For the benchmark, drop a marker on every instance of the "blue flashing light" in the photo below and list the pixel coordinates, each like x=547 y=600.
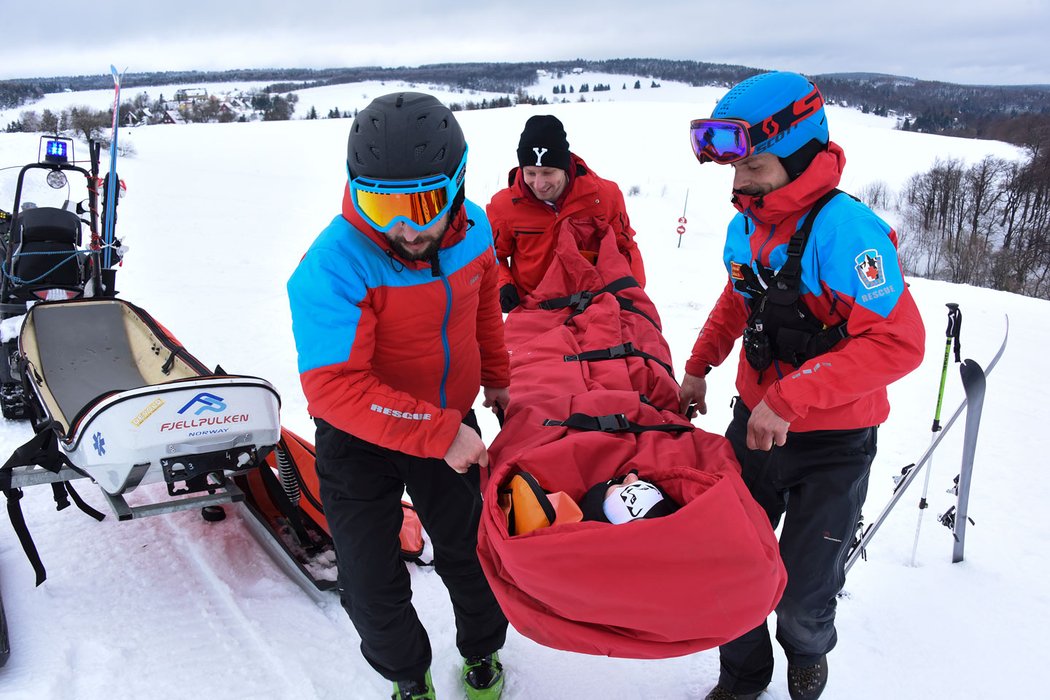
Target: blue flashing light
x=57 y=152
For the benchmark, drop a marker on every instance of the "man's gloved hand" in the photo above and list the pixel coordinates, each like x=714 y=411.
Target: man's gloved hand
x=508 y=297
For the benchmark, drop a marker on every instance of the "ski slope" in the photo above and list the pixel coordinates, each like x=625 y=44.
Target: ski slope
x=216 y=218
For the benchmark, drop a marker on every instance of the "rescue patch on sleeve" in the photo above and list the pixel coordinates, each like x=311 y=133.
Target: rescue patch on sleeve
x=869 y=269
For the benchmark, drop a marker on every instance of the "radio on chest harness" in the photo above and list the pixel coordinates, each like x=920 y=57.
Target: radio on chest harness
x=780 y=327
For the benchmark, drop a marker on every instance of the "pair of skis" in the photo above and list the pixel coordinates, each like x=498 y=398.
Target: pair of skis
x=113 y=188
x=974 y=383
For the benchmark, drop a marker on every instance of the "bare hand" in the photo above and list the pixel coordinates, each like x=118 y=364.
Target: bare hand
x=496 y=399
x=694 y=393
x=765 y=429
x=466 y=449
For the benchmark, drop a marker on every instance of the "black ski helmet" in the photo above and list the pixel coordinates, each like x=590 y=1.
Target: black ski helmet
x=404 y=136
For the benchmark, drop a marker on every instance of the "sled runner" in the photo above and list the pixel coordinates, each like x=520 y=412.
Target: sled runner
x=118 y=400
x=594 y=397
x=287 y=518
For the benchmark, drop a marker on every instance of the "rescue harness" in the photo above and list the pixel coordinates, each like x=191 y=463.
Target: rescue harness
x=780 y=326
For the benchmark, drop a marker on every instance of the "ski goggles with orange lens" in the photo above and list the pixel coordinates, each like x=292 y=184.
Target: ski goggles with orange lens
x=726 y=141
x=418 y=203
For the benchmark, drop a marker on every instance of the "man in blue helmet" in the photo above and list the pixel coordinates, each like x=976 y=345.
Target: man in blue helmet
x=817 y=293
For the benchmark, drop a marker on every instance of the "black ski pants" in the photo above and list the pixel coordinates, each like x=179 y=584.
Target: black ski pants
x=817 y=483
x=361 y=489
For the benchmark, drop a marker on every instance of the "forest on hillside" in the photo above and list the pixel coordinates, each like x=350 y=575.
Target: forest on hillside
x=987 y=224
x=1017 y=114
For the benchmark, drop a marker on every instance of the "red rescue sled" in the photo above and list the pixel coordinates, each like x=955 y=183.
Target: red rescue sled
x=594 y=396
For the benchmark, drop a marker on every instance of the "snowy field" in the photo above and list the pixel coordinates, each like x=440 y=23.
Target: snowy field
x=216 y=218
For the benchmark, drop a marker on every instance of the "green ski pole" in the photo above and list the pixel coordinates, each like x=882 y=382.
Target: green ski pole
x=951 y=339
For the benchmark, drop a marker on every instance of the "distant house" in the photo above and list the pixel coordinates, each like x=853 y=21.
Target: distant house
x=171 y=116
x=190 y=95
x=139 y=117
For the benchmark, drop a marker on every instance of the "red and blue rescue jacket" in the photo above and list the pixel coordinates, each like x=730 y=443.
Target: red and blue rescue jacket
x=392 y=351
x=851 y=273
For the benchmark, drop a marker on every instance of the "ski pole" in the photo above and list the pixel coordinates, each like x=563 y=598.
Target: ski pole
x=682 y=219
x=951 y=338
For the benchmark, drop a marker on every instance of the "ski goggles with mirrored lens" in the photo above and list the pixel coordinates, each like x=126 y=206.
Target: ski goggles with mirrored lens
x=726 y=141
x=720 y=140
x=418 y=203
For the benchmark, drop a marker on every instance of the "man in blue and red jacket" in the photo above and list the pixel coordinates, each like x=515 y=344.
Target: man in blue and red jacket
x=827 y=323
x=396 y=318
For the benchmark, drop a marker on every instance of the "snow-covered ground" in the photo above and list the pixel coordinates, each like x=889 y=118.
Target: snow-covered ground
x=216 y=218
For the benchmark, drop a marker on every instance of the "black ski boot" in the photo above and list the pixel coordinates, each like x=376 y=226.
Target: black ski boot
x=807 y=682
x=414 y=690
x=720 y=693
x=483 y=677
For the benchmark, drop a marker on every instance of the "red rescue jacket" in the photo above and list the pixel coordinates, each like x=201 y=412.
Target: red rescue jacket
x=845 y=387
x=392 y=351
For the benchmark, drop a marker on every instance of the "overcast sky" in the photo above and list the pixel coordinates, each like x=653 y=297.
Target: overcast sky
x=965 y=41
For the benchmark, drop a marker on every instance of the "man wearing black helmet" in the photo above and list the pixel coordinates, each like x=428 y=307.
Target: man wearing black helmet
x=397 y=325
x=817 y=293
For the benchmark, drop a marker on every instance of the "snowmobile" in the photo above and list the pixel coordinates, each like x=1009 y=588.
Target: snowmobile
x=112 y=396
x=49 y=251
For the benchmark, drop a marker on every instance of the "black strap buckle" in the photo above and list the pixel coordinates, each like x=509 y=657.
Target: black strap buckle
x=613 y=423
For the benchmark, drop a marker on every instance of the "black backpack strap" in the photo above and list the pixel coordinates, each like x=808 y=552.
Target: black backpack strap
x=785 y=289
x=613 y=423
x=617 y=352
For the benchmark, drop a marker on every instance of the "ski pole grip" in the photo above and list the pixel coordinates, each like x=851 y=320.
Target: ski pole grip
x=954 y=328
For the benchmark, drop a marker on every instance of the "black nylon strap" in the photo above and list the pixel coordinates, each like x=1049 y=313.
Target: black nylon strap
x=81 y=503
x=18 y=523
x=42 y=450
x=788 y=280
x=617 y=352
x=581 y=300
x=613 y=423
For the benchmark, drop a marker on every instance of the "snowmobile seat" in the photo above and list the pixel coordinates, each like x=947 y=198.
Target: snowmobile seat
x=45 y=252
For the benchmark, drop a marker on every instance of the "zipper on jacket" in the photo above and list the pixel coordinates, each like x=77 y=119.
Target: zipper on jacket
x=444 y=341
x=761 y=248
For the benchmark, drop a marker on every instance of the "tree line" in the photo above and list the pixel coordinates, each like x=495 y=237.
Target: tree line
x=981 y=111
x=986 y=224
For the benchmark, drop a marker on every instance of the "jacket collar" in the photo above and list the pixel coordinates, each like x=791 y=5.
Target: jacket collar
x=522 y=191
x=800 y=194
x=456 y=232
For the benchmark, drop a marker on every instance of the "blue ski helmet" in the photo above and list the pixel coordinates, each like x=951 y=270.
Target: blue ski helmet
x=762 y=97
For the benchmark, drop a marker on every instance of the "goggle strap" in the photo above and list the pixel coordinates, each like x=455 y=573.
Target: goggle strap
x=786 y=118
